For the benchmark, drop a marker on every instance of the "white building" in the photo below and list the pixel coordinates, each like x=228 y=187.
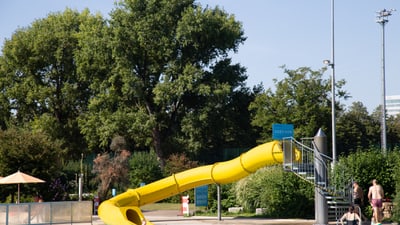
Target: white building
x=392 y=105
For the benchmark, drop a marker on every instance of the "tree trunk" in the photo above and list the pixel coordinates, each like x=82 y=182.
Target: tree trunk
x=157 y=147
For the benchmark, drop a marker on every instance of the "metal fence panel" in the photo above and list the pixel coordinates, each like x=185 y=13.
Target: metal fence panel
x=46 y=213
x=3 y=214
x=82 y=211
x=18 y=214
x=40 y=213
x=61 y=212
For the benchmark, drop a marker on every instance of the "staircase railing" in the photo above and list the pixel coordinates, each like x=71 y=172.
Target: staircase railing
x=299 y=159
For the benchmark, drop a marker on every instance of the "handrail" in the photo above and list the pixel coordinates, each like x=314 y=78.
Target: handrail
x=337 y=197
x=306 y=164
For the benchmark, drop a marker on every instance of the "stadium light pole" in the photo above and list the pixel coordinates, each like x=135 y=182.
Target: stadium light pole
x=331 y=64
x=382 y=18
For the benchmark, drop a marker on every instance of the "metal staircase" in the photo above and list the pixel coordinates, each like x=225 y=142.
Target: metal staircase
x=301 y=159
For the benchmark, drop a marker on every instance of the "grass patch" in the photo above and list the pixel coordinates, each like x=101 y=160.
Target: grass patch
x=164 y=206
x=227 y=214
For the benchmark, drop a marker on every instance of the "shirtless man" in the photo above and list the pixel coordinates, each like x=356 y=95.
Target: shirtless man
x=375 y=196
x=358 y=194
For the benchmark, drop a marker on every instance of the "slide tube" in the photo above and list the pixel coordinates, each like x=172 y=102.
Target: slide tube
x=124 y=209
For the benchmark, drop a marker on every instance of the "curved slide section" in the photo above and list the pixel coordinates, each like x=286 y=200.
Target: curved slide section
x=124 y=209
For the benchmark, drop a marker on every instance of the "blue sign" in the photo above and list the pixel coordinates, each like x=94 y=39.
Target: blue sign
x=201 y=196
x=280 y=131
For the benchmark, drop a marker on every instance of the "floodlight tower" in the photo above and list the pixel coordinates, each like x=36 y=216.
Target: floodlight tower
x=382 y=18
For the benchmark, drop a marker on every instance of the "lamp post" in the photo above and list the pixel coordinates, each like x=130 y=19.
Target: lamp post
x=331 y=64
x=382 y=19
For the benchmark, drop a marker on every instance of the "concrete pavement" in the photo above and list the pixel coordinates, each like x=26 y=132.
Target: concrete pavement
x=199 y=220
x=171 y=217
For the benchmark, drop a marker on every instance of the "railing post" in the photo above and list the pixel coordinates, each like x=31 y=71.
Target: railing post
x=7 y=213
x=321 y=206
x=287 y=154
x=29 y=213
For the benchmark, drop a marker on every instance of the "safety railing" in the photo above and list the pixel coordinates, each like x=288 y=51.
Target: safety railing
x=301 y=159
x=46 y=213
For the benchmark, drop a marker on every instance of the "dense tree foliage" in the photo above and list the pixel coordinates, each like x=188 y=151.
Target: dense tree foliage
x=170 y=79
x=177 y=163
x=227 y=195
x=156 y=78
x=33 y=153
x=396 y=179
x=302 y=99
x=393 y=132
x=40 y=81
x=145 y=168
x=357 y=129
x=363 y=167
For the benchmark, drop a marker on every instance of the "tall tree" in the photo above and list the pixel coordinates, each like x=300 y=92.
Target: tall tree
x=392 y=129
x=169 y=59
x=393 y=133
x=39 y=77
x=302 y=98
x=356 y=129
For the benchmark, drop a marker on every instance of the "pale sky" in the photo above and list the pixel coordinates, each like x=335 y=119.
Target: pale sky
x=294 y=33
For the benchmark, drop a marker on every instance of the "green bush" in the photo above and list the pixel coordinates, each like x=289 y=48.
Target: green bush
x=145 y=168
x=228 y=198
x=363 y=167
x=282 y=194
x=396 y=171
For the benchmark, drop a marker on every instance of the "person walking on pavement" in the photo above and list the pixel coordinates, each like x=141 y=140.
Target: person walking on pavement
x=375 y=196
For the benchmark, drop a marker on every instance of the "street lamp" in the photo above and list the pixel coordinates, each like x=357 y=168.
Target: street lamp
x=382 y=18
x=331 y=64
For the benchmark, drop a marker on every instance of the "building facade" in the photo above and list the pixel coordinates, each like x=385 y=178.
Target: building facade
x=393 y=105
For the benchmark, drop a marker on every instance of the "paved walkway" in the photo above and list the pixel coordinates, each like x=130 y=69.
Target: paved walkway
x=171 y=217
x=202 y=220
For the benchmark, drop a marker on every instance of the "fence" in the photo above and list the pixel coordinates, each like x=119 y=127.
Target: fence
x=46 y=213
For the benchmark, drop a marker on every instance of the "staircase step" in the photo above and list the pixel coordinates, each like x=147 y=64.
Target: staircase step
x=327 y=195
x=337 y=199
x=338 y=205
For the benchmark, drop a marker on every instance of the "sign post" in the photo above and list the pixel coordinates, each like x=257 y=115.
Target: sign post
x=201 y=196
x=280 y=131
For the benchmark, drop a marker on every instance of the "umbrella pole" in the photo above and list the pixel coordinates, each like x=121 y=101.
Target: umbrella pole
x=18 y=195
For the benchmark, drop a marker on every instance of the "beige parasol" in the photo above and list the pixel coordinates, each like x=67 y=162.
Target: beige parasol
x=19 y=178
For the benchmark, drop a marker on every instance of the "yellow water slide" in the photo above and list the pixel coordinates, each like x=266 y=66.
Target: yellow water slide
x=124 y=209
